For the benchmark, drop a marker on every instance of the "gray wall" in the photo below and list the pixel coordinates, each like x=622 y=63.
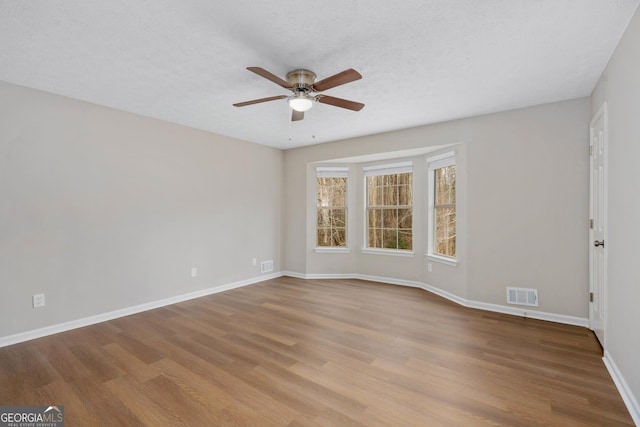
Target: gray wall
x=523 y=200
x=619 y=86
x=103 y=210
x=528 y=205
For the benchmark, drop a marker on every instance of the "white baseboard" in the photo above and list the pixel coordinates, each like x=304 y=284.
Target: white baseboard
x=317 y=276
x=515 y=311
x=103 y=317
x=533 y=314
x=627 y=395
x=445 y=294
x=389 y=280
x=294 y=274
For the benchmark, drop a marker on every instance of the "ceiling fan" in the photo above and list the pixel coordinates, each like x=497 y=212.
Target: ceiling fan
x=302 y=83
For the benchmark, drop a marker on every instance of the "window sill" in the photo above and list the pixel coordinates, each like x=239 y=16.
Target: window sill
x=442 y=259
x=392 y=252
x=331 y=250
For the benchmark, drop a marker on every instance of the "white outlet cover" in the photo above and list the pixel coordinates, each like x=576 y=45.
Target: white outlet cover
x=194 y=271
x=38 y=300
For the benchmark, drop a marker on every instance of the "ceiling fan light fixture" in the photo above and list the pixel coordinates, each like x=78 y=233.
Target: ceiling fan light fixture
x=300 y=103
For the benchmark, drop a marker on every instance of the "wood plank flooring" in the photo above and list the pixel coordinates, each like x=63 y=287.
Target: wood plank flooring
x=290 y=352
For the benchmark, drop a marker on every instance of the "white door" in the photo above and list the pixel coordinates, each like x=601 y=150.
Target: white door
x=597 y=229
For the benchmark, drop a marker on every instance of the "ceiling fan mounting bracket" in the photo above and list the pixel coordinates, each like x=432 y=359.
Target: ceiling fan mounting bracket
x=301 y=79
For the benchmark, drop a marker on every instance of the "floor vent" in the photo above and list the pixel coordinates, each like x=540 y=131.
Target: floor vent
x=522 y=296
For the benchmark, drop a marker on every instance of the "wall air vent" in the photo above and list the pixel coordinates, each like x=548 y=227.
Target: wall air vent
x=266 y=266
x=522 y=296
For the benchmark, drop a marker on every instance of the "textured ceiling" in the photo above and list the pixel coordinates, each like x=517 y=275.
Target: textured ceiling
x=422 y=61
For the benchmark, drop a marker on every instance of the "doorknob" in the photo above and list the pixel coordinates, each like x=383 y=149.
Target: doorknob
x=597 y=243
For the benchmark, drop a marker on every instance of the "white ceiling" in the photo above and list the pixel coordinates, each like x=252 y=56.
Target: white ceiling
x=422 y=61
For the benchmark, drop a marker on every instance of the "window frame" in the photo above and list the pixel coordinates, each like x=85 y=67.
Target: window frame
x=332 y=172
x=381 y=170
x=434 y=163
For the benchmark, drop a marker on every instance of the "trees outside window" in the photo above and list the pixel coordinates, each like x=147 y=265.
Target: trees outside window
x=331 y=207
x=442 y=204
x=390 y=207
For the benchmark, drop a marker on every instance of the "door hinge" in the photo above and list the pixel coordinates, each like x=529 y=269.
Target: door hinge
x=590 y=296
x=591 y=150
x=591 y=224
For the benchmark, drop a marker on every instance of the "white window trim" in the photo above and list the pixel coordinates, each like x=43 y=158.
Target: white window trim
x=377 y=170
x=441 y=160
x=331 y=249
x=433 y=163
x=388 y=169
x=442 y=259
x=333 y=172
x=392 y=252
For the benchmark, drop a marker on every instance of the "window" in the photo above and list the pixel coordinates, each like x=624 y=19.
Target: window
x=389 y=192
x=442 y=205
x=331 y=207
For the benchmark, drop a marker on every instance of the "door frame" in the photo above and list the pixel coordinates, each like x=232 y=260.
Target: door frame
x=602 y=112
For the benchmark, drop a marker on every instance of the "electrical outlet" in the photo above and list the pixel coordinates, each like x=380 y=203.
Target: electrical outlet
x=254 y=261
x=429 y=267
x=38 y=300
x=194 y=271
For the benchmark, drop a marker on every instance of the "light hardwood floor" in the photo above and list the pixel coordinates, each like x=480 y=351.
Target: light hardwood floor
x=290 y=352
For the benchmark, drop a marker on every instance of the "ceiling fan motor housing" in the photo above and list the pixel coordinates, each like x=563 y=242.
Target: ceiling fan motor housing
x=302 y=80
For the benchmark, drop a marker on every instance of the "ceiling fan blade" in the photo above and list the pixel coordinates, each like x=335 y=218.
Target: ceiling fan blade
x=339 y=102
x=270 y=76
x=346 y=76
x=297 y=115
x=257 y=101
